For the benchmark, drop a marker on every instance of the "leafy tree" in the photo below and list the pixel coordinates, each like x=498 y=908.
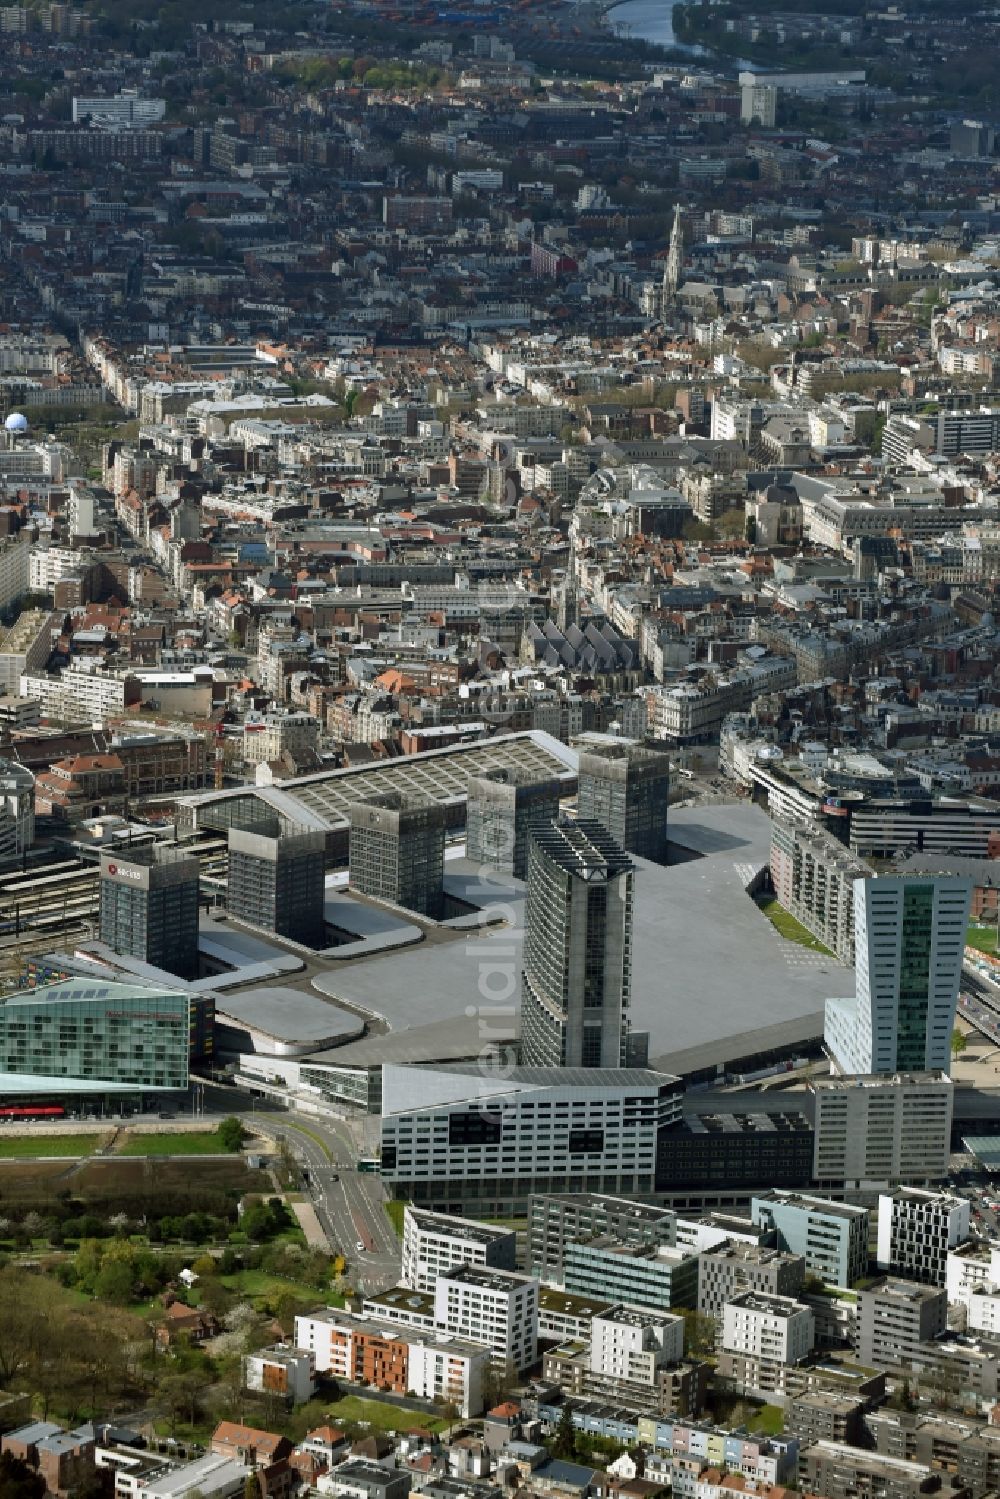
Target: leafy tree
x=251 y=1487
x=232 y=1134
x=699 y=1333
x=26 y=1305
x=114 y=1282
x=959 y=1041
x=564 y=1441
x=18 y=1481
x=182 y=1394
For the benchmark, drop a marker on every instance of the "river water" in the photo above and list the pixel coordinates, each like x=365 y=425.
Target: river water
x=653 y=21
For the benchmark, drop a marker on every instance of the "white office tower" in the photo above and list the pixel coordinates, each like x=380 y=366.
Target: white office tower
x=909 y=941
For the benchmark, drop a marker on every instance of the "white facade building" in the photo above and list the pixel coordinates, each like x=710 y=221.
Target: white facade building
x=467 y=1134
x=434 y=1243
x=909 y=942
x=773 y=1329
x=287 y=1372
x=874 y=1130
x=448 y=1369
x=626 y=1343
x=916 y=1230
x=492 y=1307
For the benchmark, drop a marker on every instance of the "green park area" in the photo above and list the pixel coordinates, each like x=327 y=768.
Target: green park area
x=182 y=1142
x=380 y=1416
x=35 y=1146
x=787 y=926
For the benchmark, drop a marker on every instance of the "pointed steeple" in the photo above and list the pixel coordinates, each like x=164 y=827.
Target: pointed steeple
x=675 y=258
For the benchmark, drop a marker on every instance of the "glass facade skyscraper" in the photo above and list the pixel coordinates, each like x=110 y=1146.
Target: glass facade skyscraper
x=577 y=949
x=909 y=942
x=276 y=882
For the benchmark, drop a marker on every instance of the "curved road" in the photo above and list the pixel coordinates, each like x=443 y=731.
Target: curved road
x=349 y=1205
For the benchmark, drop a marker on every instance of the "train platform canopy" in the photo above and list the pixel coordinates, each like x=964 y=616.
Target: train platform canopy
x=985 y=1148
x=323 y=800
x=36 y=1085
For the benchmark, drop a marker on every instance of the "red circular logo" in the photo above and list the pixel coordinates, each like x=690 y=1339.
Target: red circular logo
x=112 y=869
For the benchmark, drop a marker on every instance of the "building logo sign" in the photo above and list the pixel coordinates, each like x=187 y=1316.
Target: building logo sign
x=125 y=872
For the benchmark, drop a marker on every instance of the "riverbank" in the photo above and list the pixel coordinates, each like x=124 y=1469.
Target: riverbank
x=652 y=21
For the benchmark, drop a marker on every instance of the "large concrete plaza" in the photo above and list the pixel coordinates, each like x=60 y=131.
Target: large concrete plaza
x=711 y=976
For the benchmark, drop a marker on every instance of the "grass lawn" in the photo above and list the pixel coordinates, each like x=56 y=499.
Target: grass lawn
x=262 y=1284
x=192 y=1142
x=31 y=1147
x=787 y=926
x=383 y=1417
x=769 y=1419
x=983 y=938
x=395 y=1211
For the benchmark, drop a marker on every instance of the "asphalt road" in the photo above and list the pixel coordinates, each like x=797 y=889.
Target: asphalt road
x=350 y=1205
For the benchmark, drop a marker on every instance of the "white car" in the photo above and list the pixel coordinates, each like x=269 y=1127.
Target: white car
x=359 y=1247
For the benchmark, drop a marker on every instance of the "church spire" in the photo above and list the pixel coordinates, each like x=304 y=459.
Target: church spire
x=675 y=257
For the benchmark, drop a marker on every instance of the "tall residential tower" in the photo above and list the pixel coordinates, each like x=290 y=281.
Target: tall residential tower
x=577 y=949
x=909 y=938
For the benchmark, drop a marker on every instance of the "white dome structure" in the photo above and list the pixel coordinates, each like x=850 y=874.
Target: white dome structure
x=16 y=423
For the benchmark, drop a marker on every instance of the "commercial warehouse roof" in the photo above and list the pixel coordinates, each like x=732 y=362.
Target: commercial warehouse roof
x=325 y=799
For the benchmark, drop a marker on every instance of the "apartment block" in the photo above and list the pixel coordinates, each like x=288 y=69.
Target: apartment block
x=493 y=1307
x=831 y=1237
x=833 y=1468
x=289 y=1373
x=916 y=1230
x=761 y=1339
x=813 y=876
x=894 y=1318
x=641 y=1274
x=434 y=1243
x=734 y=1270
x=558 y=1219
x=630 y=1344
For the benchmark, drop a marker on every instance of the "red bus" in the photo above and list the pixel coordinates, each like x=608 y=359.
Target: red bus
x=32 y=1111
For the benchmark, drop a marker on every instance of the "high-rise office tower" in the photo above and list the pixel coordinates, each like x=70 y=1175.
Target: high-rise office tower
x=577 y=949
x=276 y=881
x=626 y=788
x=397 y=851
x=149 y=907
x=909 y=937
x=502 y=807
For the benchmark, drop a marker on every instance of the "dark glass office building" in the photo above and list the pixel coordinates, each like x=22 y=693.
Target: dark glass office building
x=502 y=806
x=397 y=852
x=626 y=788
x=149 y=907
x=276 y=882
